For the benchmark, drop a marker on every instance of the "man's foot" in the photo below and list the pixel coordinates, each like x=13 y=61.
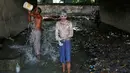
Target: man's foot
x=38 y=56
x=63 y=68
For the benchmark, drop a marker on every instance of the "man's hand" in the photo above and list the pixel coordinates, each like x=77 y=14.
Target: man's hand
x=31 y=13
x=59 y=39
x=61 y=44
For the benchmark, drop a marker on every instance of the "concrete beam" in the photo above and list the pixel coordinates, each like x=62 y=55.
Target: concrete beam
x=55 y=9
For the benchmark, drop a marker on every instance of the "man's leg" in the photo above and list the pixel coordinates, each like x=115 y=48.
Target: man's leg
x=68 y=67
x=63 y=67
x=62 y=57
x=68 y=55
x=37 y=44
x=31 y=38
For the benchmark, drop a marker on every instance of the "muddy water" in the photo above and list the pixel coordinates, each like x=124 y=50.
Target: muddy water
x=94 y=49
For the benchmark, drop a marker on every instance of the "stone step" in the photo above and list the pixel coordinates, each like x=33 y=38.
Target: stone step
x=8 y=62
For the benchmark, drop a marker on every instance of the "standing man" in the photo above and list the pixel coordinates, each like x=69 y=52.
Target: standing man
x=64 y=32
x=36 y=19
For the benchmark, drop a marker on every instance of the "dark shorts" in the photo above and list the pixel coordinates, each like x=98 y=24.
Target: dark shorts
x=65 y=51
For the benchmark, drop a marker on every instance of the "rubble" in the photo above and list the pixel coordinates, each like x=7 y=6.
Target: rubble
x=108 y=52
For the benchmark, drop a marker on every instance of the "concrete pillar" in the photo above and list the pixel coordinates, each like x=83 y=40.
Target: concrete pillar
x=13 y=17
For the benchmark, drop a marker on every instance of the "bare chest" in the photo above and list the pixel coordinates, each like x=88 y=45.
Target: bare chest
x=37 y=22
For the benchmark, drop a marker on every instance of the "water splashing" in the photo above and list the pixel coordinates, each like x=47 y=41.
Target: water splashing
x=48 y=46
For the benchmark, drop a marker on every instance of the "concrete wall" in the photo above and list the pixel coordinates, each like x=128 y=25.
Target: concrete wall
x=116 y=13
x=13 y=18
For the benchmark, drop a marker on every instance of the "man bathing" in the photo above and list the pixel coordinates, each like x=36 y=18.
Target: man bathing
x=36 y=19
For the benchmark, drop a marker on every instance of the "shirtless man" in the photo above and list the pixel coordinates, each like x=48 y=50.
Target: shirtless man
x=36 y=19
x=64 y=32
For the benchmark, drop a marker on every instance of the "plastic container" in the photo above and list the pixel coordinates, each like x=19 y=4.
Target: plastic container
x=17 y=68
x=28 y=6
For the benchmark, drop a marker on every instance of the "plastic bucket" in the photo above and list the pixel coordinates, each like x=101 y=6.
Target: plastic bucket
x=28 y=6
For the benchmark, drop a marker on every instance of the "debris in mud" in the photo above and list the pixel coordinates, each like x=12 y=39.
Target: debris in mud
x=109 y=51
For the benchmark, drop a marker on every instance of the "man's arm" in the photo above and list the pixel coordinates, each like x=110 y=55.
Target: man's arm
x=70 y=30
x=32 y=14
x=29 y=17
x=57 y=33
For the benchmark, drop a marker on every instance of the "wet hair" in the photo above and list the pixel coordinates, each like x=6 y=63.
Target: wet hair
x=39 y=9
x=63 y=12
